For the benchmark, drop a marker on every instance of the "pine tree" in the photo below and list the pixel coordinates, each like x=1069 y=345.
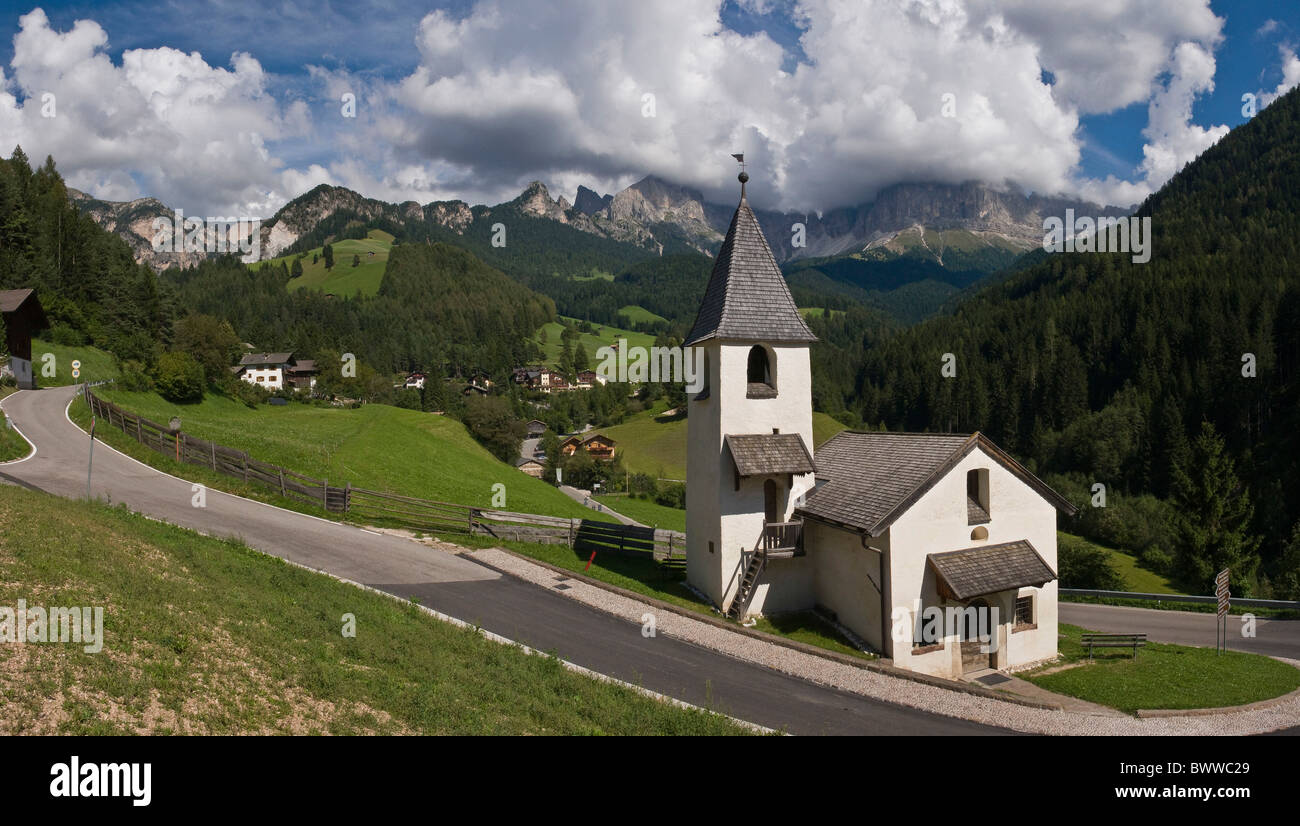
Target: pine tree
x=1213 y=517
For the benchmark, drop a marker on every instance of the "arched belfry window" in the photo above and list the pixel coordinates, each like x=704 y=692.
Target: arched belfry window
x=760 y=374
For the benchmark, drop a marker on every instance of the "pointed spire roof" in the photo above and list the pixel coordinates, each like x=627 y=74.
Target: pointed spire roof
x=747 y=297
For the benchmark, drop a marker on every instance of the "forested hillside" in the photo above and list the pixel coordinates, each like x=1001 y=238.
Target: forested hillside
x=1093 y=365
x=438 y=307
x=86 y=277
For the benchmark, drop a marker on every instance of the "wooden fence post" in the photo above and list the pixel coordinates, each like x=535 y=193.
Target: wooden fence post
x=570 y=533
x=281 y=470
x=325 y=496
x=347 y=496
x=213 y=445
x=244 y=459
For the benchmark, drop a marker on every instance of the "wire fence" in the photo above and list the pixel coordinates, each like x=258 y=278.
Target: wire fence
x=390 y=509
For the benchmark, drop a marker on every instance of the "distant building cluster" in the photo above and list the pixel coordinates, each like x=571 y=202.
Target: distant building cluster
x=545 y=380
x=277 y=371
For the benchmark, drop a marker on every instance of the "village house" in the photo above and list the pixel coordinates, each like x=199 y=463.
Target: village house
x=276 y=371
x=536 y=427
x=415 y=381
x=590 y=378
x=23 y=315
x=530 y=466
x=936 y=549
x=597 y=446
x=541 y=379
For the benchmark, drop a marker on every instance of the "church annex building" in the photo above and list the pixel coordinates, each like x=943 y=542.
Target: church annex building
x=937 y=549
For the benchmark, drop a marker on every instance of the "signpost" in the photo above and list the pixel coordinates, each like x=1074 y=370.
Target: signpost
x=76 y=368
x=1221 y=621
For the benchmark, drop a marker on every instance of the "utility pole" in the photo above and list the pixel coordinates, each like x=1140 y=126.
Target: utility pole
x=90 y=459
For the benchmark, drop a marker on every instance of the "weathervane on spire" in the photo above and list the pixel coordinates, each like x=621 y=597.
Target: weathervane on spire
x=743 y=176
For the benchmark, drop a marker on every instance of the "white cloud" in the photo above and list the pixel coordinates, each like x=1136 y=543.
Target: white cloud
x=1290 y=77
x=562 y=94
x=191 y=134
x=503 y=94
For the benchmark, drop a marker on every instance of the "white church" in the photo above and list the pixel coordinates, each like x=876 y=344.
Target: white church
x=938 y=550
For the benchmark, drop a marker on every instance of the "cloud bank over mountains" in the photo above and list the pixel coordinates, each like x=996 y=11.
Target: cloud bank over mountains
x=588 y=92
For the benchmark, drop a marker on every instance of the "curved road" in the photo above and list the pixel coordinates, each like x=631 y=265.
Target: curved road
x=456 y=586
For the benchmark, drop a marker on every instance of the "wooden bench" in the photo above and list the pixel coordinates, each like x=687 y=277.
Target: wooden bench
x=1133 y=641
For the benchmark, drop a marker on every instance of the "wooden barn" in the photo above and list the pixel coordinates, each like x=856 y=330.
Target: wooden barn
x=23 y=316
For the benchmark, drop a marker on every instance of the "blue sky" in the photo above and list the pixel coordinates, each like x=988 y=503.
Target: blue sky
x=430 y=126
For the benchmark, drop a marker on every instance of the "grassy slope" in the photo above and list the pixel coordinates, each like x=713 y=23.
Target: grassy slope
x=658 y=446
x=344 y=279
x=818 y=312
x=204 y=636
x=95 y=364
x=1167 y=676
x=376 y=447
x=604 y=336
x=636 y=313
x=1136 y=578
x=647 y=512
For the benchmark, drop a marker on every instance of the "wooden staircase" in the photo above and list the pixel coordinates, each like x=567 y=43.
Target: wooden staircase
x=779 y=540
x=757 y=562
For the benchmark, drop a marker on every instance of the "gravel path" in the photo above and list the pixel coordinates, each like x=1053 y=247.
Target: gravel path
x=892 y=689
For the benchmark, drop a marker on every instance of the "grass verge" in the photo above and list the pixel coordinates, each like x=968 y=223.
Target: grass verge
x=1165 y=676
x=203 y=636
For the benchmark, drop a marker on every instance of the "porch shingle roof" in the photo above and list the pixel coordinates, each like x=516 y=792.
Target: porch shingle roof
x=975 y=572
x=760 y=454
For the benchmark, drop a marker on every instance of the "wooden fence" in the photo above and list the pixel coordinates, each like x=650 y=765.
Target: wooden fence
x=375 y=507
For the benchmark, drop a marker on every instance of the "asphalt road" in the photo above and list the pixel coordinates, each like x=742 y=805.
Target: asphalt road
x=456 y=586
x=1275 y=638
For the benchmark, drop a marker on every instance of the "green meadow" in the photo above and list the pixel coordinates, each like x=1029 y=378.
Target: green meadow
x=343 y=279
x=375 y=446
x=603 y=336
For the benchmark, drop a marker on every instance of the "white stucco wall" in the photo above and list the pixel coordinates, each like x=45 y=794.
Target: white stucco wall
x=843 y=573
x=716 y=511
x=937 y=522
x=22 y=372
x=272 y=378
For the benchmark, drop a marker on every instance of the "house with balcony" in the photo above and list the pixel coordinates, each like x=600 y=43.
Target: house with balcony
x=596 y=445
x=277 y=371
x=936 y=549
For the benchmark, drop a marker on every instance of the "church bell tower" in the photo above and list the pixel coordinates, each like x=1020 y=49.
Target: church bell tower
x=749 y=430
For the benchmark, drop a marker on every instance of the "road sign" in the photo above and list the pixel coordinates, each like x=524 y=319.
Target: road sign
x=1221 y=591
x=76 y=374
x=76 y=364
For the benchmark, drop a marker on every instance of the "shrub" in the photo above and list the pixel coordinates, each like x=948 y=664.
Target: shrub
x=65 y=336
x=1084 y=565
x=1158 y=559
x=179 y=378
x=671 y=495
x=134 y=377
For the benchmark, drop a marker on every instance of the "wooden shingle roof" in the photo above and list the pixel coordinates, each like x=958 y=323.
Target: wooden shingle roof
x=747 y=297
x=976 y=572
x=869 y=479
x=761 y=454
x=11 y=300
